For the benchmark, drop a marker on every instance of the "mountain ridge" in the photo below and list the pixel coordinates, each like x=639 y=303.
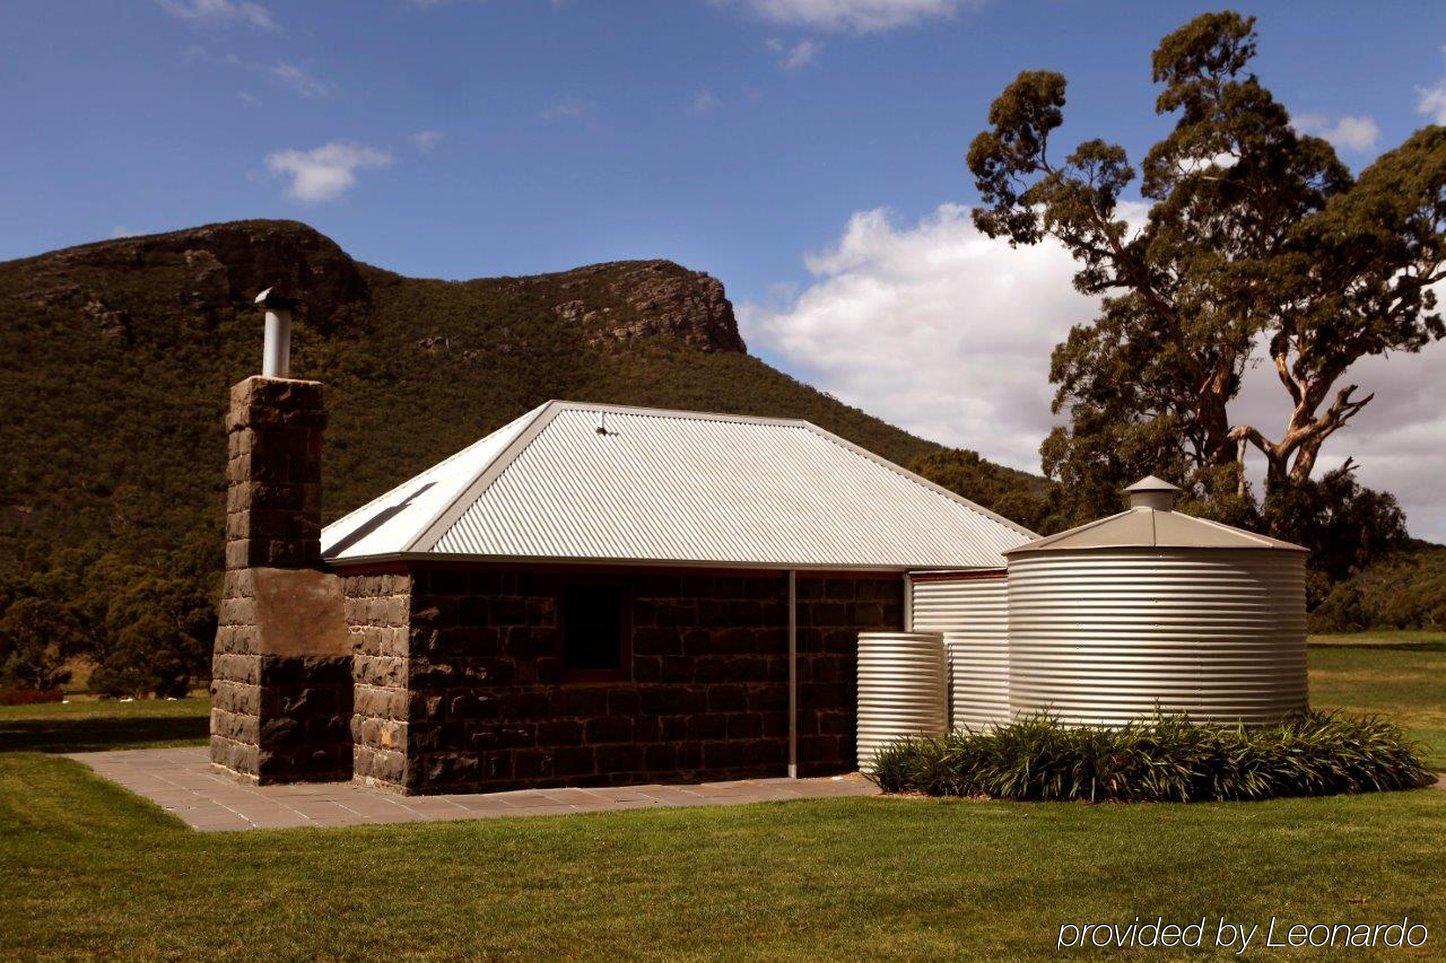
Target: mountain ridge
x=118 y=354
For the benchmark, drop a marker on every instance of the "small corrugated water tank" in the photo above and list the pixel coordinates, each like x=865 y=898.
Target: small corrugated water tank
x=1154 y=609
x=971 y=609
x=901 y=689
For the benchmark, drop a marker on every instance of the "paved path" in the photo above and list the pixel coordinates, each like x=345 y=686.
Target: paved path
x=182 y=781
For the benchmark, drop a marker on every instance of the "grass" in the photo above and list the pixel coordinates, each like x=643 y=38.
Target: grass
x=92 y=870
x=93 y=725
x=1399 y=674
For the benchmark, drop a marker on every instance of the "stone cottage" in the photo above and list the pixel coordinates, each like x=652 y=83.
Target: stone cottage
x=592 y=594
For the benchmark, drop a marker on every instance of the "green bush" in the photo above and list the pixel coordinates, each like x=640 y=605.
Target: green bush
x=1164 y=759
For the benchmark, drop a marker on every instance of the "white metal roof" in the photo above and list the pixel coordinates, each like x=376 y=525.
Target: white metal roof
x=673 y=487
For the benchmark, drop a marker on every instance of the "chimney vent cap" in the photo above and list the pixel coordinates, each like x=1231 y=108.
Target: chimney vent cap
x=275 y=299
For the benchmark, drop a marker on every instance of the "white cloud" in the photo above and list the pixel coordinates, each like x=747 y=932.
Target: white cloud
x=248 y=98
x=426 y=141
x=221 y=13
x=326 y=172
x=704 y=102
x=300 y=81
x=1345 y=133
x=947 y=333
x=1431 y=102
x=120 y=230
x=566 y=110
x=861 y=16
x=801 y=54
x=931 y=326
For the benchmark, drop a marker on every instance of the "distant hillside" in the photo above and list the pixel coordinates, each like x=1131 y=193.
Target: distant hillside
x=117 y=356
x=1404 y=591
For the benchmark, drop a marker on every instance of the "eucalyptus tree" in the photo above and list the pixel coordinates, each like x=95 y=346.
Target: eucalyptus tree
x=1252 y=243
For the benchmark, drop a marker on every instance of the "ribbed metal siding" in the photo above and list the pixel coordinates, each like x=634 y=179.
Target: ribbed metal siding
x=973 y=614
x=1105 y=636
x=901 y=689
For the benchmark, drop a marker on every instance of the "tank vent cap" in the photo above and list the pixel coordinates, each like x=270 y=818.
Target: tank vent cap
x=1152 y=492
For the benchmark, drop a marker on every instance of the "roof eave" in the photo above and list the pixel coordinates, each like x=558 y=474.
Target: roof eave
x=1261 y=547
x=395 y=557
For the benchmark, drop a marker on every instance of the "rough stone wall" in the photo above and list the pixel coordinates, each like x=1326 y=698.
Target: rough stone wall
x=707 y=697
x=282 y=688
x=273 y=474
x=377 y=617
x=832 y=611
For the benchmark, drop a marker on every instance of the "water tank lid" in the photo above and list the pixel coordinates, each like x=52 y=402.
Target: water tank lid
x=1151 y=523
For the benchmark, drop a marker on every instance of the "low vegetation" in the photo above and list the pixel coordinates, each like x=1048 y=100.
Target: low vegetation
x=1166 y=759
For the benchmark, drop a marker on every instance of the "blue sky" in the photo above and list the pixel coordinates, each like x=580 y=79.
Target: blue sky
x=803 y=151
x=585 y=130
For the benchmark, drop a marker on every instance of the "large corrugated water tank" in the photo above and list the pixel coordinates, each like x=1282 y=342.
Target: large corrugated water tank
x=901 y=689
x=971 y=609
x=1154 y=609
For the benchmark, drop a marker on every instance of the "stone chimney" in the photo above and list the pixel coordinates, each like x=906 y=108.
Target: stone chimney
x=282 y=670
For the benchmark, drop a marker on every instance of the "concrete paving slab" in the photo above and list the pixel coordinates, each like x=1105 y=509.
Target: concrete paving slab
x=183 y=782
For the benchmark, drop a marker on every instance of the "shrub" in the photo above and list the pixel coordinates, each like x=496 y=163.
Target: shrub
x=1164 y=759
x=16 y=695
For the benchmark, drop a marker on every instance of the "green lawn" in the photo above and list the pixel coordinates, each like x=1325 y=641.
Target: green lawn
x=1401 y=675
x=86 y=726
x=92 y=870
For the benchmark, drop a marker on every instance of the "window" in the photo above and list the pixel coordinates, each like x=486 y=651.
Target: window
x=593 y=632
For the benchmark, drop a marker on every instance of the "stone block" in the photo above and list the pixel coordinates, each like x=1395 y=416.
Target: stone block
x=608 y=729
x=619 y=758
x=573 y=761
x=560 y=732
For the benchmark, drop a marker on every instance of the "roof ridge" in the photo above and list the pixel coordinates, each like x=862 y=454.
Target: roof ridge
x=430 y=469
x=917 y=479
x=648 y=411
x=1060 y=536
x=445 y=517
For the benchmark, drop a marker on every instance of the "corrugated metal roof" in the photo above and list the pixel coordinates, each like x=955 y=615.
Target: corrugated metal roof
x=676 y=487
x=388 y=524
x=1144 y=527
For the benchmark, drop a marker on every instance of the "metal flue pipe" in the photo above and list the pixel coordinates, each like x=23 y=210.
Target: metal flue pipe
x=276 y=350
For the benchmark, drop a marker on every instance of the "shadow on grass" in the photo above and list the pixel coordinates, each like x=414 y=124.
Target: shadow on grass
x=98 y=734
x=1432 y=647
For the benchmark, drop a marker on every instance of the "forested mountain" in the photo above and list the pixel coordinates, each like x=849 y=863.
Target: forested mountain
x=117 y=356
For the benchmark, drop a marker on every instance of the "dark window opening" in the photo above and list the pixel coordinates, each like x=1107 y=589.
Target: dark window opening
x=592 y=632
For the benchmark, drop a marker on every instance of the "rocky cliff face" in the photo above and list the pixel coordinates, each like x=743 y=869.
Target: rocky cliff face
x=643 y=299
x=223 y=266
x=233 y=262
